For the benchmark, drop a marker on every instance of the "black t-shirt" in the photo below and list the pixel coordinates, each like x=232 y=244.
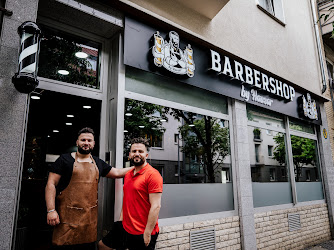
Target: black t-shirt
x=64 y=167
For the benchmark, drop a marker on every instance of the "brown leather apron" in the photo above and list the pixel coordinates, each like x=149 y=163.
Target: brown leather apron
x=77 y=206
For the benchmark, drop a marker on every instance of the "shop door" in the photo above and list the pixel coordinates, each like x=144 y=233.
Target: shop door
x=53 y=123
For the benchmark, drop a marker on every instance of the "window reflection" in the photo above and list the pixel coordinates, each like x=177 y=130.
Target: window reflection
x=295 y=124
x=305 y=159
x=186 y=147
x=267 y=156
x=70 y=59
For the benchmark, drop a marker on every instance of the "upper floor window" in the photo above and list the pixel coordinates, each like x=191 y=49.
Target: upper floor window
x=68 y=58
x=273 y=8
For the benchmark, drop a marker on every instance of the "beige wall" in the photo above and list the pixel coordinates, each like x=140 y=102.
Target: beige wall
x=244 y=30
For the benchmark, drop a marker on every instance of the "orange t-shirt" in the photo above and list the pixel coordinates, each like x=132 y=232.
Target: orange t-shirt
x=136 y=203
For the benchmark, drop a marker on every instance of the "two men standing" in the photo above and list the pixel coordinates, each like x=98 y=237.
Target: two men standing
x=73 y=182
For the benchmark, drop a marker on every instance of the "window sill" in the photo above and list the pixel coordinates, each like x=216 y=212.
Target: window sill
x=157 y=148
x=271 y=15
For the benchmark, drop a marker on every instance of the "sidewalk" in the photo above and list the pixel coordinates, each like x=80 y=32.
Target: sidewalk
x=324 y=245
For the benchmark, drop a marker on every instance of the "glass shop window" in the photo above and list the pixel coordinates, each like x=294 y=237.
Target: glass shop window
x=195 y=155
x=68 y=58
x=268 y=158
x=297 y=125
x=306 y=169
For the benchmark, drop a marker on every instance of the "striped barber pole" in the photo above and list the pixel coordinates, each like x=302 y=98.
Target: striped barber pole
x=25 y=80
x=28 y=53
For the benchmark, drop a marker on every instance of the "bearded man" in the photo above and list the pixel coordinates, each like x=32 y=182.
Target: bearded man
x=138 y=226
x=73 y=182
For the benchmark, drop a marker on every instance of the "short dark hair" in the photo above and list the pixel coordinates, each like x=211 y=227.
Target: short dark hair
x=140 y=140
x=86 y=130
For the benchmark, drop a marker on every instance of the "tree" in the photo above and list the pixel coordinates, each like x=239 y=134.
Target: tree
x=303 y=151
x=143 y=120
x=206 y=138
x=202 y=136
x=328 y=16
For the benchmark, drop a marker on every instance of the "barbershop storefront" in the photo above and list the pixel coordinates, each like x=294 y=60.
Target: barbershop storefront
x=242 y=151
x=237 y=146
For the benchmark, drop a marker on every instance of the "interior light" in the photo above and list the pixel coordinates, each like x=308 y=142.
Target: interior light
x=48 y=136
x=35 y=97
x=70 y=115
x=55 y=131
x=81 y=54
x=141 y=126
x=87 y=107
x=68 y=123
x=128 y=114
x=125 y=131
x=63 y=72
x=191 y=125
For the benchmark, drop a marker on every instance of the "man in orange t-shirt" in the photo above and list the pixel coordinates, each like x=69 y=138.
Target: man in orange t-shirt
x=141 y=204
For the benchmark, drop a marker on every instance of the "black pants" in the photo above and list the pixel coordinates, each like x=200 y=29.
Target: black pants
x=86 y=246
x=119 y=239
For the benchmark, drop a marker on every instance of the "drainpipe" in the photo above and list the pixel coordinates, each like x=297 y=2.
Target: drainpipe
x=319 y=48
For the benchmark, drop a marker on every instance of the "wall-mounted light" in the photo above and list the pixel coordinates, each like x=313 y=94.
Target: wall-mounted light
x=25 y=80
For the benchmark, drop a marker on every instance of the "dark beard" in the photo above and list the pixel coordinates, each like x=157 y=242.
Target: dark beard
x=83 y=151
x=134 y=163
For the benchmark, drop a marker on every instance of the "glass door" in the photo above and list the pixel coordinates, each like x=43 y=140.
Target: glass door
x=53 y=123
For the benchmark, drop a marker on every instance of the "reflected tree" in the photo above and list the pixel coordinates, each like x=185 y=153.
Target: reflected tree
x=143 y=120
x=205 y=137
x=303 y=150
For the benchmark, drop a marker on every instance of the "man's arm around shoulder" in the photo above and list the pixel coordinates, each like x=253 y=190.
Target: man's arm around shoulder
x=118 y=172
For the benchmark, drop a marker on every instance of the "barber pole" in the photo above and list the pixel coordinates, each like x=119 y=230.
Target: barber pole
x=25 y=80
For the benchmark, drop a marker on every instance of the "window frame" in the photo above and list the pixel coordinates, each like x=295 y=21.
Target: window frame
x=69 y=88
x=200 y=111
x=288 y=132
x=278 y=5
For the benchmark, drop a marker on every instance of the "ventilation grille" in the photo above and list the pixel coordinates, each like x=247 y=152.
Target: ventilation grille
x=203 y=239
x=294 y=222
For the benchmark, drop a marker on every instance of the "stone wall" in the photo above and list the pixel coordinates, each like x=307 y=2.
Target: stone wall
x=12 y=115
x=178 y=236
x=272 y=229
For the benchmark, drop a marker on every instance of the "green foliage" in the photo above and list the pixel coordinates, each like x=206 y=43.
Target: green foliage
x=143 y=114
x=328 y=16
x=279 y=150
x=303 y=150
x=207 y=139
x=257 y=131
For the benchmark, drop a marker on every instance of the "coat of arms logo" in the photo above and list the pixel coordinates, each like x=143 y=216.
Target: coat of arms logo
x=169 y=55
x=309 y=107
